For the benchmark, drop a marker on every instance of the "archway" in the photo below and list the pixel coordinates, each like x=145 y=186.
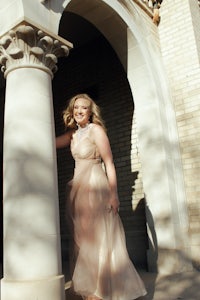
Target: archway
x=158 y=145
x=94 y=67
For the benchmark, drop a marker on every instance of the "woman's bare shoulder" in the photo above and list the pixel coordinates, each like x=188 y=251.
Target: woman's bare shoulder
x=97 y=133
x=97 y=128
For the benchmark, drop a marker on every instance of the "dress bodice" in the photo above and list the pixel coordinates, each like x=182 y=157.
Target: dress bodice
x=83 y=147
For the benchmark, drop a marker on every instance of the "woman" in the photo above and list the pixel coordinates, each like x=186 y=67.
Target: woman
x=103 y=270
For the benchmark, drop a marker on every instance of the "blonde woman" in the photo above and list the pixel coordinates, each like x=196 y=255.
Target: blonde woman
x=103 y=270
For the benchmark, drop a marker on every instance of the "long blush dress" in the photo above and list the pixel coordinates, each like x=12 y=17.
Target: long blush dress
x=102 y=266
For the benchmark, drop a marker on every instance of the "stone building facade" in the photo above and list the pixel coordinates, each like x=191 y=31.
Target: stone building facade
x=140 y=61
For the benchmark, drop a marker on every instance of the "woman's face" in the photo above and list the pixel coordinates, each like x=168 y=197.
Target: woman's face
x=81 y=112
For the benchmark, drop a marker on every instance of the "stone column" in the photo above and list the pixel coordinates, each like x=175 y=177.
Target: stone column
x=32 y=256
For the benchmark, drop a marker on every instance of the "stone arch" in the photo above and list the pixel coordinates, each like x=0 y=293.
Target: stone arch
x=136 y=238
x=139 y=53
x=95 y=68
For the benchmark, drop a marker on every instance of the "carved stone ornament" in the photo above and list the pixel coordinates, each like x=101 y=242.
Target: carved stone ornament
x=27 y=46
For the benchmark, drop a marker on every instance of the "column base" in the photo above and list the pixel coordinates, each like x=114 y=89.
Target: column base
x=46 y=289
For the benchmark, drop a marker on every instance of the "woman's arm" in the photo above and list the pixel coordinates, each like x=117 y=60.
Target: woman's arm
x=103 y=145
x=63 y=140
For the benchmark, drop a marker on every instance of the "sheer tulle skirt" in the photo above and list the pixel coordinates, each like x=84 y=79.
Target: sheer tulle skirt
x=102 y=265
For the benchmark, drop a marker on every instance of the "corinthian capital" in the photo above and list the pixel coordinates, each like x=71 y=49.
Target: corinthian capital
x=26 y=46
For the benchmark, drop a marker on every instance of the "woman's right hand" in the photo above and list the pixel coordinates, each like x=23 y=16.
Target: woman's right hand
x=63 y=140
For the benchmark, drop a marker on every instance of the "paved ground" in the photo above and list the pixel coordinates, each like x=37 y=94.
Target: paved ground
x=184 y=286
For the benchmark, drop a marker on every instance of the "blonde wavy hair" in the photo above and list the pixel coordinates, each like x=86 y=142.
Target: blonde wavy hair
x=95 y=117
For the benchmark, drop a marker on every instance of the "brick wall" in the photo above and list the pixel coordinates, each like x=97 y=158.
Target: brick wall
x=180 y=44
x=95 y=69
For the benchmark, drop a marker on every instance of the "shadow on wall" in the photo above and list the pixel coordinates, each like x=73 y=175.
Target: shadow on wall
x=134 y=220
x=152 y=249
